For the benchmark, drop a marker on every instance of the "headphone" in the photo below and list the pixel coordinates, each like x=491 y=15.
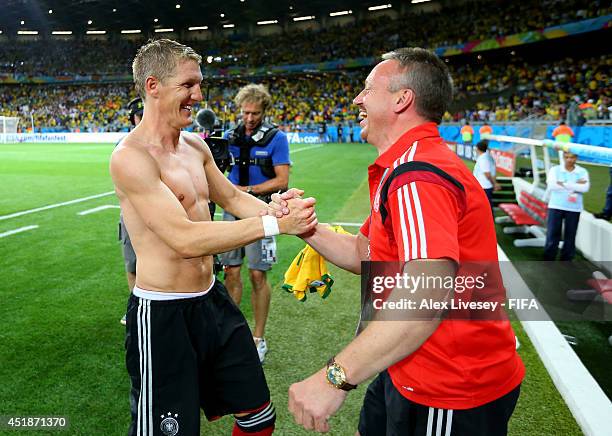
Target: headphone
x=135 y=107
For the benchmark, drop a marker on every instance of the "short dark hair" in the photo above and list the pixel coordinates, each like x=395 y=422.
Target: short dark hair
x=427 y=75
x=483 y=145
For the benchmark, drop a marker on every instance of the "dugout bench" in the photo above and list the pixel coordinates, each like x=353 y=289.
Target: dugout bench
x=529 y=217
x=600 y=292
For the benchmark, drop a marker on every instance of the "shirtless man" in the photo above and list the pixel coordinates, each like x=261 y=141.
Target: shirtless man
x=188 y=345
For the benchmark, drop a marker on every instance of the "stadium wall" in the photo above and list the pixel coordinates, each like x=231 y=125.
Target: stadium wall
x=113 y=138
x=594 y=135
x=63 y=137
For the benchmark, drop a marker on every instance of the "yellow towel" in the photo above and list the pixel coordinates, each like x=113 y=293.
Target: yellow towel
x=308 y=273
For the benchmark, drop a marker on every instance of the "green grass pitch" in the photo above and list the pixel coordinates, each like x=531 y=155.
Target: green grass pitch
x=63 y=290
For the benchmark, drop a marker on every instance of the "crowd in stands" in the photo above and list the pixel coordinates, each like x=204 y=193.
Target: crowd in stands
x=580 y=89
x=508 y=92
x=58 y=58
x=299 y=102
x=79 y=108
x=574 y=89
x=451 y=25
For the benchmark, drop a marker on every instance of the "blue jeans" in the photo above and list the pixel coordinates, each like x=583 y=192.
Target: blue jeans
x=553 y=234
x=489 y=193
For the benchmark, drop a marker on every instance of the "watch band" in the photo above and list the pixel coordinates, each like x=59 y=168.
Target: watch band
x=345 y=386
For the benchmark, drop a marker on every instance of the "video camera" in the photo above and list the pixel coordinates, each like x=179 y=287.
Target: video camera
x=218 y=145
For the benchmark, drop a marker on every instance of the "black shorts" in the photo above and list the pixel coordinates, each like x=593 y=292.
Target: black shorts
x=187 y=354
x=386 y=412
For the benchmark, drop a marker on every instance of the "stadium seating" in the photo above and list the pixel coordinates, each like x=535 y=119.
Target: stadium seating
x=453 y=24
x=506 y=90
x=303 y=101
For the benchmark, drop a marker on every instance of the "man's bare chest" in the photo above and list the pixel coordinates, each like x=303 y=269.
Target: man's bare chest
x=184 y=175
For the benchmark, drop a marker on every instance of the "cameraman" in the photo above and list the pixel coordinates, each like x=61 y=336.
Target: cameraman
x=261 y=155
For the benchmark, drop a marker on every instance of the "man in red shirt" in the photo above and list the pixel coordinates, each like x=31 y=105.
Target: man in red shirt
x=435 y=376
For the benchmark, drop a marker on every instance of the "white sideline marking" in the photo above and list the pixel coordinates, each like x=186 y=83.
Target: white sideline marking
x=53 y=206
x=98 y=209
x=19 y=230
x=584 y=397
x=310 y=147
x=104 y=194
x=347 y=224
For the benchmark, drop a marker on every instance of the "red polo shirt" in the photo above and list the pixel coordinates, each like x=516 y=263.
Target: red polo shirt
x=463 y=364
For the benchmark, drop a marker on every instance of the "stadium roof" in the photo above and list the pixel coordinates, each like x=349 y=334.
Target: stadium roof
x=81 y=15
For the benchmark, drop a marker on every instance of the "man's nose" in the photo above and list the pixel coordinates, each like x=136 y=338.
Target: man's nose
x=358 y=99
x=197 y=95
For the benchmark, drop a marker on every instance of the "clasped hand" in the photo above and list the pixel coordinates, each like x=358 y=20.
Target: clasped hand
x=296 y=215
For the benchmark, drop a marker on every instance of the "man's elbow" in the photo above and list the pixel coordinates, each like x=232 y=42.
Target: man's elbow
x=185 y=245
x=186 y=249
x=189 y=253
x=355 y=268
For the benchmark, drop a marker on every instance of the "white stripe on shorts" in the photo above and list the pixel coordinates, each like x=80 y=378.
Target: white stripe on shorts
x=430 y=421
x=140 y=367
x=439 y=423
x=449 y=422
x=150 y=370
x=144 y=423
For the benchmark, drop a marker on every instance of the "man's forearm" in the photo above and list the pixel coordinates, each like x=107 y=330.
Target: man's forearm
x=340 y=249
x=578 y=187
x=387 y=339
x=243 y=205
x=382 y=344
x=204 y=238
x=490 y=178
x=269 y=187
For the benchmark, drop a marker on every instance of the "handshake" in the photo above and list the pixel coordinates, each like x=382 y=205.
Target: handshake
x=295 y=215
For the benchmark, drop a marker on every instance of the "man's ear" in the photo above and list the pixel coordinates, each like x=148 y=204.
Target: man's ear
x=404 y=99
x=152 y=86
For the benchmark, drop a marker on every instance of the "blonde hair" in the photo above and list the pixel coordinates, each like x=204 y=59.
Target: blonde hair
x=159 y=58
x=254 y=94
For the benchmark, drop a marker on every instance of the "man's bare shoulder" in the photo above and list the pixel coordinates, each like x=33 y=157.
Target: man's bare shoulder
x=130 y=156
x=194 y=140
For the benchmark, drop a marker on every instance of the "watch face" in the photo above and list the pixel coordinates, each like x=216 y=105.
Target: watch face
x=335 y=375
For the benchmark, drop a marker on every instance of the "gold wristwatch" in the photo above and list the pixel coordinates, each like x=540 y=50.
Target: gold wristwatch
x=336 y=376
